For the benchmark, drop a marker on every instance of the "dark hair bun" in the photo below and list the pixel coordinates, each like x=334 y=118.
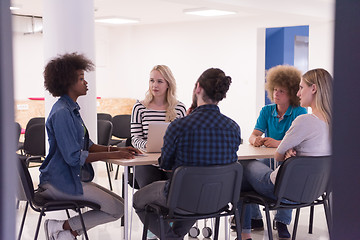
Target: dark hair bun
x=215 y=83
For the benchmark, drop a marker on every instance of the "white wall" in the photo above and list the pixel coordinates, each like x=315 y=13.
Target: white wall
x=28 y=65
x=126 y=54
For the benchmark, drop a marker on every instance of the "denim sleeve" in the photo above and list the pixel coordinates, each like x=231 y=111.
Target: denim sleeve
x=261 y=123
x=68 y=138
x=168 y=150
x=84 y=154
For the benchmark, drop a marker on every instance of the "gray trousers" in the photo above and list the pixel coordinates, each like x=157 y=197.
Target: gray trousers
x=111 y=205
x=154 y=193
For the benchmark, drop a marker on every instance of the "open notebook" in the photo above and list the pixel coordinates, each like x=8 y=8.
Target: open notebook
x=156 y=133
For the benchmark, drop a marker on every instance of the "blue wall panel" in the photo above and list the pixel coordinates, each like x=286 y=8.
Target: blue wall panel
x=280 y=44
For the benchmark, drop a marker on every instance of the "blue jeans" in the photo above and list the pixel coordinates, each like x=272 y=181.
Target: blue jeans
x=257 y=178
x=282 y=215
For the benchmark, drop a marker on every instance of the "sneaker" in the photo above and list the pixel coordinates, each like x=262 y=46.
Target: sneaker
x=52 y=227
x=257 y=224
x=150 y=235
x=63 y=235
x=282 y=231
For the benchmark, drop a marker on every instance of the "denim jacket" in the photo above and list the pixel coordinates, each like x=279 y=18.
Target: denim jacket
x=66 y=136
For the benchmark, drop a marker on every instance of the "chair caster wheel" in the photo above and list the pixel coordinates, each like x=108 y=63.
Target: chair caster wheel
x=206 y=232
x=274 y=225
x=194 y=232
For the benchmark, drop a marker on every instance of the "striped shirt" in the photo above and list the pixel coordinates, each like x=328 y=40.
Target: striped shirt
x=142 y=116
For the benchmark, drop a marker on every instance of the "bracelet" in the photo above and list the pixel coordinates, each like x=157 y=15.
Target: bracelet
x=109 y=149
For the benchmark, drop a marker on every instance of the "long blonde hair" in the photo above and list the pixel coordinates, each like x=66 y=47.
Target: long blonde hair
x=170 y=95
x=323 y=98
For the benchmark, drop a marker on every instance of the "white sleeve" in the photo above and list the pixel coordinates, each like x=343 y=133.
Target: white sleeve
x=137 y=134
x=296 y=134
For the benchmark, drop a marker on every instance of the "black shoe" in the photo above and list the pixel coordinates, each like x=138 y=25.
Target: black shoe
x=282 y=231
x=257 y=224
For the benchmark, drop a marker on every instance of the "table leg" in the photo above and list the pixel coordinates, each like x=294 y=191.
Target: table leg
x=126 y=203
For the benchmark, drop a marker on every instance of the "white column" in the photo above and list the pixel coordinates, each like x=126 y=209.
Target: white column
x=69 y=27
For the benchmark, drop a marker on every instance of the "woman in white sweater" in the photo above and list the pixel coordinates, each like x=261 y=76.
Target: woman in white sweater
x=309 y=135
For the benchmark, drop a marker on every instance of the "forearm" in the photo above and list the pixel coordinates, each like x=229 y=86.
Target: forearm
x=101 y=148
x=279 y=157
x=252 y=139
x=97 y=156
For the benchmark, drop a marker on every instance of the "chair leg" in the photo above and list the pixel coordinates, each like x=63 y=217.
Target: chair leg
x=67 y=213
x=146 y=226
x=117 y=172
x=123 y=196
x=268 y=223
x=162 y=228
x=238 y=224
x=83 y=224
x=296 y=223
x=311 y=219
x=217 y=224
x=23 y=220
x=109 y=177
x=328 y=215
x=42 y=213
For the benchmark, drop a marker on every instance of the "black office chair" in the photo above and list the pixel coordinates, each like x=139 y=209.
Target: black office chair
x=104 y=134
x=34 y=144
x=302 y=180
x=104 y=116
x=18 y=132
x=42 y=205
x=32 y=121
x=199 y=193
x=121 y=129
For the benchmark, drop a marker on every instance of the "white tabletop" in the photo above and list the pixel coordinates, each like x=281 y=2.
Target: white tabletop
x=246 y=151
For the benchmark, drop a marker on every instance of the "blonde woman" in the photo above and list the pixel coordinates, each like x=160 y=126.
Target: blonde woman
x=160 y=104
x=309 y=135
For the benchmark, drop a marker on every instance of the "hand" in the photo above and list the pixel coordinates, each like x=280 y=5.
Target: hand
x=290 y=153
x=132 y=150
x=121 y=155
x=259 y=141
x=271 y=143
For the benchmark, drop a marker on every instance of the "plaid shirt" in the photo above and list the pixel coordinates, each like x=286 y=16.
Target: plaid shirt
x=205 y=137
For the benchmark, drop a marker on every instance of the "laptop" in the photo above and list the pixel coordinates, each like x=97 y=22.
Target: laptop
x=155 y=136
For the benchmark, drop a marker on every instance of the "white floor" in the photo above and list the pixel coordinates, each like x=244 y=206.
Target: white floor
x=113 y=230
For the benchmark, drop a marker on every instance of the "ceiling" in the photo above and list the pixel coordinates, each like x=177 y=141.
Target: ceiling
x=165 y=11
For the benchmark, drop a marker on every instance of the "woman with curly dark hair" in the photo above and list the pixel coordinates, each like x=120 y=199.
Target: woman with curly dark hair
x=274 y=120
x=61 y=174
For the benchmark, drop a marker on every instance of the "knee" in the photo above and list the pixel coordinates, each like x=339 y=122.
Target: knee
x=136 y=201
x=118 y=213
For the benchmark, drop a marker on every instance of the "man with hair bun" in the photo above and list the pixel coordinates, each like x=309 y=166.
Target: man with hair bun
x=206 y=125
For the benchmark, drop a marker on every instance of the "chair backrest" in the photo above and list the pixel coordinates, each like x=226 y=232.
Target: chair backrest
x=303 y=179
x=104 y=131
x=34 y=143
x=204 y=190
x=33 y=121
x=121 y=126
x=18 y=131
x=104 y=116
x=25 y=180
